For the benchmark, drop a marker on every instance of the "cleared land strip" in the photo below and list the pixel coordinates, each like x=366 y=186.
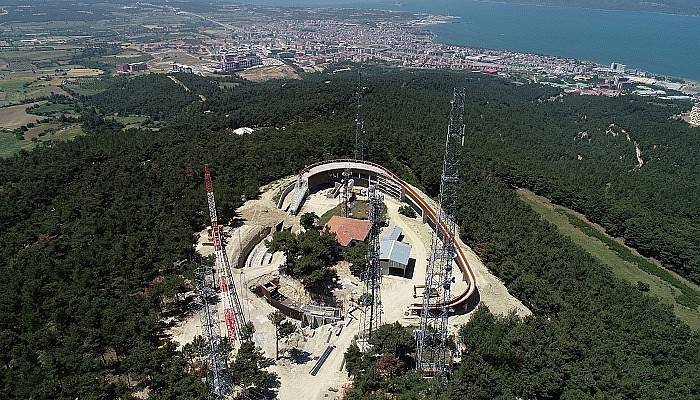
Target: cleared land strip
x=645 y=274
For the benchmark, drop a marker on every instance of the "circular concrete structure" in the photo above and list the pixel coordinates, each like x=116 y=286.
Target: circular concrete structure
x=323 y=173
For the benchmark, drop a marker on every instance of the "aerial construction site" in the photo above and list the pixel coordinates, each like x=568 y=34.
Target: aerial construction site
x=413 y=270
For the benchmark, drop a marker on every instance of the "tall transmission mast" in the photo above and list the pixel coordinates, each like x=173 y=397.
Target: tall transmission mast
x=371 y=300
x=345 y=193
x=431 y=337
x=209 y=319
x=359 y=121
x=233 y=312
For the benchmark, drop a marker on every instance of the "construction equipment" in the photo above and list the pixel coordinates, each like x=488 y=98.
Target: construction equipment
x=233 y=312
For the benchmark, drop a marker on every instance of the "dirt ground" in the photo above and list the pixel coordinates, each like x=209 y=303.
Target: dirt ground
x=397 y=294
x=84 y=72
x=265 y=73
x=13 y=117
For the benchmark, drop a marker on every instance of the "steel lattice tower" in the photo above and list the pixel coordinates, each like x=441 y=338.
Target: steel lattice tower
x=233 y=312
x=431 y=337
x=345 y=194
x=372 y=297
x=359 y=122
x=209 y=319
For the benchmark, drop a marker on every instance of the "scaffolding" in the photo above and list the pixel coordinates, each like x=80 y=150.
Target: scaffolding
x=431 y=337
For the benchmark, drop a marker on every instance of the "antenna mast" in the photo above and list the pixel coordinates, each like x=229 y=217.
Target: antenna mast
x=371 y=299
x=431 y=337
x=209 y=319
x=359 y=121
x=233 y=312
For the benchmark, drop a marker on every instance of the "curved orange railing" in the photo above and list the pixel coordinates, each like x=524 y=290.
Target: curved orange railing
x=456 y=302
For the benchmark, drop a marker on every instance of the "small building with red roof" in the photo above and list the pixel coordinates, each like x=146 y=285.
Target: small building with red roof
x=349 y=230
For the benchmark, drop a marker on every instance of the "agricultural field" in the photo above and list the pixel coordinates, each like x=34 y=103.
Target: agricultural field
x=10 y=144
x=47 y=109
x=14 y=117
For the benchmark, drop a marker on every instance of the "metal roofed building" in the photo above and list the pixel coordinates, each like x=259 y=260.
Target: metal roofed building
x=393 y=234
x=394 y=255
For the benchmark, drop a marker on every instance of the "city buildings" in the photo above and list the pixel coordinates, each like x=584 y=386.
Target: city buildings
x=132 y=67
x=232 y=61
x=185 y=69
x=618 y=68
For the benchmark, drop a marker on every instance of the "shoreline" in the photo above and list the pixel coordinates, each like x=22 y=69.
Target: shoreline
x=447 y=19
x=422 y=19
x=586 y=8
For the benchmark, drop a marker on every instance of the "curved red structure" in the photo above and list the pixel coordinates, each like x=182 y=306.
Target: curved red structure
x=461 y=300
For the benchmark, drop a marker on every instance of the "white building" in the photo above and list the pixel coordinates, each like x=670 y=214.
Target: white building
x=394 y=255
x=618 y=68
x=695 y=115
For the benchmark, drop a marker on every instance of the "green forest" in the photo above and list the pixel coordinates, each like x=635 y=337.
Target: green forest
x=93 y=231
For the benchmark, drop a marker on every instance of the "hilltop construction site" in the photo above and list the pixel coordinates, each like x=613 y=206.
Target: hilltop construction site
x=312 y=361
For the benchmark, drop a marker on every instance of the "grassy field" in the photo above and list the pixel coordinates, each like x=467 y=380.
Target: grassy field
x=88 y=86
x=359 y=211
x=11 y=145
x=50 y=108
x=668 y=287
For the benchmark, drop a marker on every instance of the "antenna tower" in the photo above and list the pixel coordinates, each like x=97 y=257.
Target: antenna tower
x=233 y=312
x=359 y=121
x=431 y=337
x=209 y=319
x=371 y=299
x=345 y=194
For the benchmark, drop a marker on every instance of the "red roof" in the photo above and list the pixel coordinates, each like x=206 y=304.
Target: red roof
x=348 y=229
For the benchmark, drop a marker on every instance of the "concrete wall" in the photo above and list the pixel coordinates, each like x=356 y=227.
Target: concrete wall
x=284 y=193
x=250 y=244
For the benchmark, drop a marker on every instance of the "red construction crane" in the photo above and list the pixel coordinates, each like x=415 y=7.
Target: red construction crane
x=233 y=312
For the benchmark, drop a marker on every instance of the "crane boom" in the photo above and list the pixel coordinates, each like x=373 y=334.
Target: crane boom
x=233 y=312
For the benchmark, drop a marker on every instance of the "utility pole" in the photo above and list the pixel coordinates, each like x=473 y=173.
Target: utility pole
x=233 y=312
x=431 y=337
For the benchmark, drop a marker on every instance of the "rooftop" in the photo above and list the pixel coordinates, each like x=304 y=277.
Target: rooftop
x=395 y=251
x=348 y=229
x=394 y=233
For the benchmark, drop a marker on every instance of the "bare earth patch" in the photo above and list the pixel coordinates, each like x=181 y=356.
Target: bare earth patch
x=14 y=117
x=266 y=73
x=84 y=72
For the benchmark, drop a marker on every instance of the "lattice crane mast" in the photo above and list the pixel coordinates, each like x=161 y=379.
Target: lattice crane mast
x=233 y=312
x=431 y=337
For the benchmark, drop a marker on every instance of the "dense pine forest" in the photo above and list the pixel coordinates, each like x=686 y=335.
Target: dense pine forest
x=93 y=232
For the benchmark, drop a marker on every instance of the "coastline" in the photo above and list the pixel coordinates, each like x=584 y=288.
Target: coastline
x=446 y=19
x=621 y=10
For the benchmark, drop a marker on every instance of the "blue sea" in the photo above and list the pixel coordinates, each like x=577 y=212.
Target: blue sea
x=658 y=43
